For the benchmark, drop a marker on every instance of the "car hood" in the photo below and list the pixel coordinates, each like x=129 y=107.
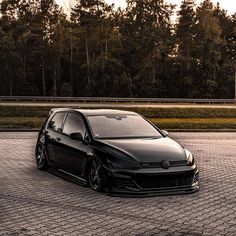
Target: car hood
x=147 y=149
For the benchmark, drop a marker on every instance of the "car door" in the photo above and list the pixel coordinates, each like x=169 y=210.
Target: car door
x=54 y=136
x=74 y=152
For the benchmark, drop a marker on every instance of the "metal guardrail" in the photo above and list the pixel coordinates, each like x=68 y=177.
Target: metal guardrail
x=113 y=100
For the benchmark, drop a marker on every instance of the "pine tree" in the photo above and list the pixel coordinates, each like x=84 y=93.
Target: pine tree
x=225 y=74
x=147 y=39
x=93 y=22
x=185 y=44
x=208 y=43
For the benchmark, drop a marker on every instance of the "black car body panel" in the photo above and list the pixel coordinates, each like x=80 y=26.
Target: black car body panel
x=133 y=166
x=149 y=149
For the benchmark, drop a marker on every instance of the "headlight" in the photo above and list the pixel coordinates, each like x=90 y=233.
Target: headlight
x=190 y=158
x=119 y=160
x=122 y=163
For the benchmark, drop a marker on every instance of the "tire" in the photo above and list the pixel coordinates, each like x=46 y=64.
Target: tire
x=40 y=154
x=96 y=175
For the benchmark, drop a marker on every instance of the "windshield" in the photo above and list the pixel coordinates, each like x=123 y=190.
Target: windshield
x=121 y=126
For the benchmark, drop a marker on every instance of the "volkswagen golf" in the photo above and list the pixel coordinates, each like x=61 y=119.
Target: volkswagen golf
x=114 y=151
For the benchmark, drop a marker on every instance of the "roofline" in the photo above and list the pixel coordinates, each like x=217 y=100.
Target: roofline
x=86 y=111
x=59 y=109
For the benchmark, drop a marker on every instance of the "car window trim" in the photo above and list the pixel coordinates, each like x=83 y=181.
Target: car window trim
x=63 y=124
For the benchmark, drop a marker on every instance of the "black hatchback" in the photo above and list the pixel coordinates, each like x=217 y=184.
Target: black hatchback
x=115 y=151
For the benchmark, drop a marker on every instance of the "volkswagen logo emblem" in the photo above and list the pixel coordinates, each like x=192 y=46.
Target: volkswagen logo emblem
x=165 y=164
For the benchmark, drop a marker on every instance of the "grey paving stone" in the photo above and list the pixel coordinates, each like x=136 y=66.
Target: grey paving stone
x=38 y=203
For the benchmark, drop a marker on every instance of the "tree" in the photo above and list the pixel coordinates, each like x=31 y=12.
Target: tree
x=92 y=22
x=8 y=61
x=100 y=51
x=147 y=41
x=225 y=74
x=46 y=31
x=185 y=47
x=32 y=25
x=15 y=15
x=208 y=43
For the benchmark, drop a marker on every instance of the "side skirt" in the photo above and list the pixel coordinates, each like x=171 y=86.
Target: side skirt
x=68 y=176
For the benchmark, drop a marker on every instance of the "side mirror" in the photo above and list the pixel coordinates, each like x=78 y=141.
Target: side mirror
x=76 y=136
x=165 y=132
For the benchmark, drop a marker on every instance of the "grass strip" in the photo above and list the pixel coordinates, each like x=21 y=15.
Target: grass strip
x=163 y=123
x=195 y=123
x=16 y=111
x=165 y=118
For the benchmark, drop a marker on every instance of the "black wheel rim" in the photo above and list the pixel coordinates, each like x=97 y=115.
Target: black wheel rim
x=95 y=174
x=40 y=157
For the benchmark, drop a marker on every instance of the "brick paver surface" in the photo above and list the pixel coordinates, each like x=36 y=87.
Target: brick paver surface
x=33 y=202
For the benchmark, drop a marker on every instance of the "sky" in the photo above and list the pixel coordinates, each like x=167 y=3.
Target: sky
x=229 y=5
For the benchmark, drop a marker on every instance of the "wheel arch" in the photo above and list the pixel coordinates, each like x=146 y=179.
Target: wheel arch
x=105 y=171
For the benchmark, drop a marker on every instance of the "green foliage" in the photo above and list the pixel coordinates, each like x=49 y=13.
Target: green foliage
x=100 y=51
x=165 y=118
x=191 y=124
x=42 y=111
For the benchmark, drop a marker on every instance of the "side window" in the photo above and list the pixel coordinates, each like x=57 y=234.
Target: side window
x=74 y=124
x=56 y=121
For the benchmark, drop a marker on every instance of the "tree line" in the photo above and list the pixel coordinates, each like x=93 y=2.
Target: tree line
x=98 y=50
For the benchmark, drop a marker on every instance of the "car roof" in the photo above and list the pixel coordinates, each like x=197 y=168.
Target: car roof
x=89 y=112
x=94 y=112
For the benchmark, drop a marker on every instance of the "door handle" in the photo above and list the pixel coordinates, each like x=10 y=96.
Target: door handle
x=58 y=139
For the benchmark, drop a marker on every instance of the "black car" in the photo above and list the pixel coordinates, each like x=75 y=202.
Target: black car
x=115 y=151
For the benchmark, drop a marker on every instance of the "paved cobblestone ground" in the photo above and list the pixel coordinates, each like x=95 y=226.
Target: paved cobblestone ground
x=33 y=202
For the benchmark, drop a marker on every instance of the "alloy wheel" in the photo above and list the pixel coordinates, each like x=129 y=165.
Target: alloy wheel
x=41 y=158
x=95 y=175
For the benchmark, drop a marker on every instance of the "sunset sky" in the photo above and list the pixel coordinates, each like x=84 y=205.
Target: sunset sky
x=229 y=5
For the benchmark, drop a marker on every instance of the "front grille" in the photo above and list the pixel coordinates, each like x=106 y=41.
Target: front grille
x=158 y=164
x=121 y=183
x=151 y=164
x=164 y=181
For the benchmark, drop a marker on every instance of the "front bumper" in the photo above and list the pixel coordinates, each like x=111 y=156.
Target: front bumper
x=153 y=181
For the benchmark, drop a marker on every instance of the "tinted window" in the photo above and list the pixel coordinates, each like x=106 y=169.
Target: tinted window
x=74 y=124
x=56 y=121
x=118 y=126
